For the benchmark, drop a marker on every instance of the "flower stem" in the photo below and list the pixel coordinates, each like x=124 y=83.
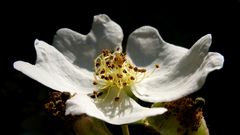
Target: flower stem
x=125 y=130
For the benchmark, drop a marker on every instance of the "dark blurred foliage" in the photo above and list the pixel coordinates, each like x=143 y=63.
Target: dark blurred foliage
x=182 y=24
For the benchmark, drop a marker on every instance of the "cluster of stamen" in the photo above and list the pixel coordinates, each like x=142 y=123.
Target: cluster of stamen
x=113 y=70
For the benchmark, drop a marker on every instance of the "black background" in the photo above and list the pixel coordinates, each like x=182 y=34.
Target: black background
x=21 y=23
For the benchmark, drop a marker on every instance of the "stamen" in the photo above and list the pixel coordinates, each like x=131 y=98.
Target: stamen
x=102 y=77
x=108 y=89
x=105 y=52
x=102 y=72
x=116 y=99
x=94 y=83
x=110 y=77
x=156 y=67
x=106 y=78
x=111 y=57
x=99 y=94
x=114 y=71
x=97 y=64
x=132 y=78
x=92 y=96
x=142 y=70
x=95 y=94
x=119 y=75
x=135 y=69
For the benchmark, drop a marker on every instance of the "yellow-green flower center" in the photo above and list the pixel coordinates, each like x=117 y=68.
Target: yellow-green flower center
x=114 y=70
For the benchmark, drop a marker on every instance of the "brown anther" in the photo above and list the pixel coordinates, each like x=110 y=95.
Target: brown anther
x=124 y=84
x=94 y=83
x=132 y=78
x=102 y=72
x=111 y=57
x=108 y=62
x=130 y=67
x=116 y=99
x=123 y=54
x=119 y=75
x=102 y=77
x=118 y=49
x=106 y=78
x=97 y=64
x=135 y=69
x=157 y=66
x=142 y=70
x=119 y=59
x=99 y=94
x=110 y=77
x=124 y=71
x=92 y=96
x=109 y=65
x=95 y=92
x=120 y=66
x=105 y=52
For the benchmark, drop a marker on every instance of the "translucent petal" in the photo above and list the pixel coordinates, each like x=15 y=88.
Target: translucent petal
x=181 y=71
x=55 y=71
x=124 y=111
x=81 y=50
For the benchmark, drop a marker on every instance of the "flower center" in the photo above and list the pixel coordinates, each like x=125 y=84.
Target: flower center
x=114 y=70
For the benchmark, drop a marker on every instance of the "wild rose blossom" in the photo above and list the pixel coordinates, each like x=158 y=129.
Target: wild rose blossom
x=104 y=80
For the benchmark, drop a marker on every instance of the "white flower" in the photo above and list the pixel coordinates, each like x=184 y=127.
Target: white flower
x=152 y=69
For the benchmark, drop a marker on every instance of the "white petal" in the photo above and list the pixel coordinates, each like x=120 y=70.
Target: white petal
x=53 y=70
x=145 y=47
x=81 y=50
x=124 y=111
x=181 y=71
